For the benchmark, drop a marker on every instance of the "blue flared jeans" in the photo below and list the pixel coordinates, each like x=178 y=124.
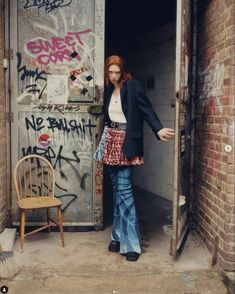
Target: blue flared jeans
x=125 y=223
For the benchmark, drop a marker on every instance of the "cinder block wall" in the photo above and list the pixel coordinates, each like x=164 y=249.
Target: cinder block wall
x=3 y=143
x=214 y=130
x=153 y=61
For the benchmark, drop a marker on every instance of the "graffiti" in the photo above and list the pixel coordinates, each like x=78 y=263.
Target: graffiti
x=30 y=78
x=34 y=92
x=77 y=72
x=58 y=160
x=42 y=188
x=74 y=48
x=32 y=62
x=56 y=49
x=58 y=40
x=52 y=137
x=61 y=108
x=26 y=74
x=49 y=5
x=211 y=81
x=61 y=124
x=61 y=196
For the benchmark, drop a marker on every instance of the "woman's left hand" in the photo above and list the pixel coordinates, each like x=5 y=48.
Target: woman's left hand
x=165 y=134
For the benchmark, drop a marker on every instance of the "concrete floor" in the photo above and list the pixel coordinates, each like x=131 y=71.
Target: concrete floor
x=85 y=265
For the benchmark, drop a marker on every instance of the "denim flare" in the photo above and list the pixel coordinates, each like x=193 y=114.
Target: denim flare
x=125 y=223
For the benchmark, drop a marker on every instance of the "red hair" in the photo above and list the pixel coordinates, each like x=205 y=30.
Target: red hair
x=119 y=61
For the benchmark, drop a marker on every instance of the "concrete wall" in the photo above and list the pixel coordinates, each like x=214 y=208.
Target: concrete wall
x=214 y=130
x=3 y=143
x=153 y=61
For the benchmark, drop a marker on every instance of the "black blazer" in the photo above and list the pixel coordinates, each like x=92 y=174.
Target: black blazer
x=136 y=108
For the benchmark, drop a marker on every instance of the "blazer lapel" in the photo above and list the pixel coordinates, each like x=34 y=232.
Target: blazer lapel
x=123 y=98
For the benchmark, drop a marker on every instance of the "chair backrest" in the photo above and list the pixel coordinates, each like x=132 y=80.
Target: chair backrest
x=34 y=176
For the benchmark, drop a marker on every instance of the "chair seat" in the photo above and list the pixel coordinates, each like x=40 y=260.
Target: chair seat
x=39 y=202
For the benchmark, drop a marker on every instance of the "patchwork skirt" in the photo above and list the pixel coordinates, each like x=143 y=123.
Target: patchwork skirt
x=110 y=149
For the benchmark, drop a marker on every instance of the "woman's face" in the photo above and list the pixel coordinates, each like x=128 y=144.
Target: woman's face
x=114 y=74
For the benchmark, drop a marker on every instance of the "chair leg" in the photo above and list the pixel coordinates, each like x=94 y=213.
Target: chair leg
x=22 y=227
x=60 y=219
x=48 y=219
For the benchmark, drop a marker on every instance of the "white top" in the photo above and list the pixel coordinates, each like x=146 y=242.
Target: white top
x=115 y=109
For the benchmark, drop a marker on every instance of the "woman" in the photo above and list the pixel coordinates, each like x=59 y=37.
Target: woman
x=121 y=147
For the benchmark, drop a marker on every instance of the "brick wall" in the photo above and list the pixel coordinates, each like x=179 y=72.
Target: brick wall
x=153 y=61
x=3 y=194
x=214 y=130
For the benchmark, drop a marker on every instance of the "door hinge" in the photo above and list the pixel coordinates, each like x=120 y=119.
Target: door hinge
x=8 y=53
x=9 y=117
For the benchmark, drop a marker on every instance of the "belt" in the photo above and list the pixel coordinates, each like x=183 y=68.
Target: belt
x=117 y=125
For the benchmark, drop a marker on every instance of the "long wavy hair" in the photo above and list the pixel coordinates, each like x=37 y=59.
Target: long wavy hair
x=119 y=61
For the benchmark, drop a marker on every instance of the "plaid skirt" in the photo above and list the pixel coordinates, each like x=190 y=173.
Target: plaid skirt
x=109 y=150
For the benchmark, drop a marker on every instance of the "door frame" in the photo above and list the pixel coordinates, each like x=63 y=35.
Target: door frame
x=185 y=77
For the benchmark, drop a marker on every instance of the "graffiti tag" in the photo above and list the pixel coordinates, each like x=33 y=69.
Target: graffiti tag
x=49 y=5
x=25 y=73
x=57 y=48
x=61 y=124
x=61 y=108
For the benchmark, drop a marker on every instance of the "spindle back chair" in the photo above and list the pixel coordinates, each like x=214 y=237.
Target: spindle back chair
x=34 y=179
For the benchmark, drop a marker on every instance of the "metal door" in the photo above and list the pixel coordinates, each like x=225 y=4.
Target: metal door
x=56 y=80
x=183 y=89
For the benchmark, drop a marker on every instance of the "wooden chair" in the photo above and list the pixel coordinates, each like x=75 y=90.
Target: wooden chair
x=34 y=179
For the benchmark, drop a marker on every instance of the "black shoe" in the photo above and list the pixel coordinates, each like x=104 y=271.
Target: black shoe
x=132 y=256
x=114 y=246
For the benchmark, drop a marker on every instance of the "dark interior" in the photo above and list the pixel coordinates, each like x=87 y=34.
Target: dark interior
x=126 y=20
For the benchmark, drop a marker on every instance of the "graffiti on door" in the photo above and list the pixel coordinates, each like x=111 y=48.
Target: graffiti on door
x=58 y=38
x=66 y=141
x=57 y=74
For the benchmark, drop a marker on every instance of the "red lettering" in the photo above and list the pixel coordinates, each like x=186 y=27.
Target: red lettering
x=58 y=42
x=69 y=41
x=77 y=35
x=57 y=48
x=53 y=57
x=34 y=47
x=46 y=46
x=64 y=55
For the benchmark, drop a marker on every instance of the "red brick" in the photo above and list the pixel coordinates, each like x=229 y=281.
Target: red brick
x=214 y=168
x=224 y=265
x=227 y=255
x=229 y=189
x=230 y=169
x=231 y=160
x=229 y=228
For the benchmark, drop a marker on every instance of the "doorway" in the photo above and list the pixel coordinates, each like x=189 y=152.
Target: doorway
x=145 y=35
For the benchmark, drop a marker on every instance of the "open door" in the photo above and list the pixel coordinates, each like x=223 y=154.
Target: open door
x=183 y=91
x=56 y=81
